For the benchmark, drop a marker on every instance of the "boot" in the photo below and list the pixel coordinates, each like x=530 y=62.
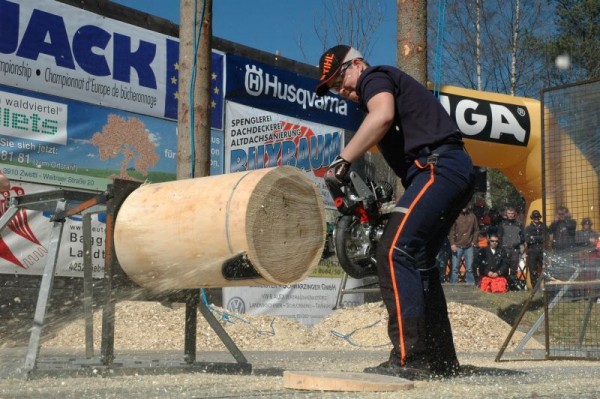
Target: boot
x=417 y=368
x=414 y=371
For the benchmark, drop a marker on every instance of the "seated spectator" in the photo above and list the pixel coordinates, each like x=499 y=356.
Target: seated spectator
x=586 y=236
x=493 y=266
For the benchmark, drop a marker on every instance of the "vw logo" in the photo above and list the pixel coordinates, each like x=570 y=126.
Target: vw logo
x=237 y=305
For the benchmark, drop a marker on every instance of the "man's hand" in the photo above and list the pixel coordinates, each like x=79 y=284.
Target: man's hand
x=336 y=176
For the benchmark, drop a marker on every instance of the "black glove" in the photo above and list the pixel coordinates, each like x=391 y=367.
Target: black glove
x=336 y=176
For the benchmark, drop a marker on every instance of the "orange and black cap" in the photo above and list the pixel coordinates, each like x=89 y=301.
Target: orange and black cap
x=330 y=64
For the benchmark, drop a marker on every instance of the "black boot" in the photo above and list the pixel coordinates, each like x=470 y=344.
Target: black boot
x=416 y=367
x=414 y=371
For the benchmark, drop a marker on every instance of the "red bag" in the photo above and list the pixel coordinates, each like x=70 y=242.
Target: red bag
x=499 y=285
x=494 y=284
x=486 y=284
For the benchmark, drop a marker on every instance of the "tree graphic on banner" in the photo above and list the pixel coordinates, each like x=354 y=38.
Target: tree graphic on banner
x=128 y=138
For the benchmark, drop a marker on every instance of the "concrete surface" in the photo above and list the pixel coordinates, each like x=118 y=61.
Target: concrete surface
x=164 y=375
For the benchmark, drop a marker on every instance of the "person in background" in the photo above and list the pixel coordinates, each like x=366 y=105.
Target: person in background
x=423 y=146
x=493 y=266
x=463 y=237
x=586 y=237
x=511 y=234
x=535 y=235
x=563 y=229
x=442 y=259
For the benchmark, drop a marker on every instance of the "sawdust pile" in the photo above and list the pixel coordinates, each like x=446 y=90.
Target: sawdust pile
x=152 y=326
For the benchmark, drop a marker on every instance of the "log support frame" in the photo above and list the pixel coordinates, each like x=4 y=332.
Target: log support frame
x=116 y=286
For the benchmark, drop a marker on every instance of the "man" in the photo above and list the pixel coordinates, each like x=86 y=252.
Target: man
x=463 y=237
x=493 y=266
x=586 y=236
x=535 y=235
x=423 y=146
x=511 y=233
x=563 y=229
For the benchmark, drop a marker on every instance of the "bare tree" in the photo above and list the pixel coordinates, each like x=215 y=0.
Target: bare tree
x=513 y=66
x=478 y=6
x=488 y=44
x=352 y=22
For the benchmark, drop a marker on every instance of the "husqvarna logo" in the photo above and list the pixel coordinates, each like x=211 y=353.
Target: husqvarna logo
x=254 y=80
x=488 y=121
x=259 y=83
x=236 y=305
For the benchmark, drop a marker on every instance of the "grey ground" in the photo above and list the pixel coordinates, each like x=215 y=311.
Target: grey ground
x=56 y=376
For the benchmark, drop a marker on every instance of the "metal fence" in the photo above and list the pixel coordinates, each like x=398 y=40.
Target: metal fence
x=571 y=196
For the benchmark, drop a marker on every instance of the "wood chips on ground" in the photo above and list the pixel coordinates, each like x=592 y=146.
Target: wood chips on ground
x=152 y=326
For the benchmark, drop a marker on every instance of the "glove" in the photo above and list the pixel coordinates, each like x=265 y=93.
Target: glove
x=336 y=176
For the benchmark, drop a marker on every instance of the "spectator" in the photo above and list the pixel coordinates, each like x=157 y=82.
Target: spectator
x=463 y=237
x=563 y=229
x=511 y=234
x=494 y=221
x=441 y=260
x=586 y=236
x=493 y=266
x=535 y=235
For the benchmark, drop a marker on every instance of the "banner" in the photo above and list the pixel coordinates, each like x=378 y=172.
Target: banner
x=259 y=85
x=257 y=139
x=50 y=47
x=307 y=302
x=62 y=142
x=24 y=243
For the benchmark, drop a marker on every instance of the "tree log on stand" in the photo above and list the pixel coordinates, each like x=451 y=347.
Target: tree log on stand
x=242 y=229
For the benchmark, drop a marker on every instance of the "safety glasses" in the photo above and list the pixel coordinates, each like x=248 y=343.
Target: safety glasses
x=339 y=80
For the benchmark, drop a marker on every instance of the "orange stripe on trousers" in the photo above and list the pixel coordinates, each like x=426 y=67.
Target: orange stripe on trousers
x=391 y=262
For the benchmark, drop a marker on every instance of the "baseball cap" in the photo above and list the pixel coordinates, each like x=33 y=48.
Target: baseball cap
x=330 y=64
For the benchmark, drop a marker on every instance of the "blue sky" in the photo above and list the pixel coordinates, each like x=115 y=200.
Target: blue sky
x=277 y=25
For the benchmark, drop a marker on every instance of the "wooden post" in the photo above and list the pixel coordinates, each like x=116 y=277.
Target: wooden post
x=193 y=128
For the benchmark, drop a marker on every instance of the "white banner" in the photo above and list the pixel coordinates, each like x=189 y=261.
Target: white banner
x=24 y=242
x=257 y=139
x=53 y=48
x=307 y=302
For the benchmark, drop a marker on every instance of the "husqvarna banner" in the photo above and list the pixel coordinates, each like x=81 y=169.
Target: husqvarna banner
x=282 y=91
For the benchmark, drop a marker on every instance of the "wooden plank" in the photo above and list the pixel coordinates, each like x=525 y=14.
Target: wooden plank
x=343 y=381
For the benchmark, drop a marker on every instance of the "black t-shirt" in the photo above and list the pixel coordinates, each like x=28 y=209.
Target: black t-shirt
x=420 y=119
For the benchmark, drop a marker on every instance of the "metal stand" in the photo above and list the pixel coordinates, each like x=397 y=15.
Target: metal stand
x=114 y=281
x=367 y=288
x=54 y=201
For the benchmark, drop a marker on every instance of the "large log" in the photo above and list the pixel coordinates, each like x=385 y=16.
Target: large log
x=205 y=232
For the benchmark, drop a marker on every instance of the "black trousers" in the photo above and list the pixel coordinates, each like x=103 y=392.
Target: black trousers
x=437 y=190
x=535 y=261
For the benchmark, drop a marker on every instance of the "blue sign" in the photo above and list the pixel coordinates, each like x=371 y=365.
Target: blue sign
x=284 y=92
